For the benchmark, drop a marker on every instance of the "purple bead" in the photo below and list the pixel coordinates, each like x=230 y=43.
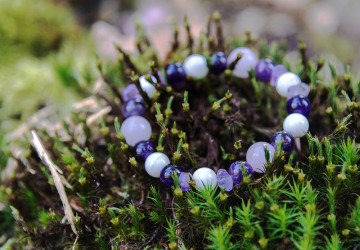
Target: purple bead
x=224 y=180
x=133 y=107
x=175 y=74
x=298 y=104
x=184 y=181
x=277 y=71
x=218 y=63
x=298 y=89
x=263 y=69
x=286 y=137
x=130 y=92
x=167 y=172
x=236 y=173
x=143 y=149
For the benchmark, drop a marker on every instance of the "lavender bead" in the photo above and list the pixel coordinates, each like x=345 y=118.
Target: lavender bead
x=135 y=129
x=175 y=74
x=131 y=92
x=263 y=69
x=236 y=171
x=298 y=104
x=218 y=63
x=299 y=89
x=286 y=137
x=224 y=180
x=247 y=62
x=184 y=181
x=167 y=173
x=255 y=155
x=133 y=107
x=277 y=71
x=143 y=149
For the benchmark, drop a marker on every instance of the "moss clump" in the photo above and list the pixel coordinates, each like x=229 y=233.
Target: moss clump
x=306 y=200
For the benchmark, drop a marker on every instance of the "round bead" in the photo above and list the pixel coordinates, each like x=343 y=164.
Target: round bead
x=167 y=173
x=263 y=69
x=175 y=74
x=143 y=149
x=298 y=104
x=155 y=162
x=285 y=81
x=130 y=92
x=184 y=181
x=247 y=62
x=296 y=124
x=224 y=180
x=133 y=107
x=284 y=136
x=255 y=155
x=218 y=63
x=236 y=171
x=205 y=177
x=135 y=129
x=277 y=71
x=299 y=89
x=148 y=88
x=196 y=66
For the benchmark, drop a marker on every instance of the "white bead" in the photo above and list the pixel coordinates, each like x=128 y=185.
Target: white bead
x=247 y=61
x=255 y=155
x=296 y=124
x=285 y=81
x=155 y=162
x=135 y=129
x=196 y=66
x=148 y=88
x=205 y=177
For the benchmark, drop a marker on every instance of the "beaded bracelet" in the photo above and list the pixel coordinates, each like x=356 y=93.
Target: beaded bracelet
x=137 y=130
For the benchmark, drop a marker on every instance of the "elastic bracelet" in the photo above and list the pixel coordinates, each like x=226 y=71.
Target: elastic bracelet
x=137 y=130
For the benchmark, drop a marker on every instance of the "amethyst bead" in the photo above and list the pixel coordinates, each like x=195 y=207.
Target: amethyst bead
x=167 y=173
x=184 y=181
x=175 y=74
x=298 y=104
x=218 y=63
x=133 y=107
x=236 y=173
x=299 y=89
x=130 y=92
x=286 y=137
x=263 y=69
x=277 y=71
x=224 y=180
x=143 y=149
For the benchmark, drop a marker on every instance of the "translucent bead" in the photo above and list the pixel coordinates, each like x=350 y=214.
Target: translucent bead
x=135 y=129
x=131 y=92
x=166 y=174
x=286 y=137
x=263 y=69
x=247 y=62
x=236 y=171
x=143 y=149
x=148 y=88
x=155 y=162
x=205 y=177
x=224 y=180
x=285 y=81
x=196 y=66
x=255 y=155
x=277 y=71
x=296 y=124
x=184 y=181
x=299 y=89
x=133 y=107
x=218 y=63
x=298 y=104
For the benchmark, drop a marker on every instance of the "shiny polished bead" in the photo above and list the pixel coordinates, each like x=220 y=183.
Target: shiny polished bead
x=247 y=62
x=205 y=177
x=299 y=89
x=277 y=71
x=284 y=136
x=175 y=74
x=255 y=155
x=224 y=180
x=298 y=104
x=148 y=88
x=196 y=66
x=143 y=149
x=135 y=129
x=236 y=171
x=166 y=175
x=184 y=181
x=296 y=124
x=218 y=63
x=285 y=81
x=133 y=107
x=263 y=69
x=130 y=92
x=155 y=162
